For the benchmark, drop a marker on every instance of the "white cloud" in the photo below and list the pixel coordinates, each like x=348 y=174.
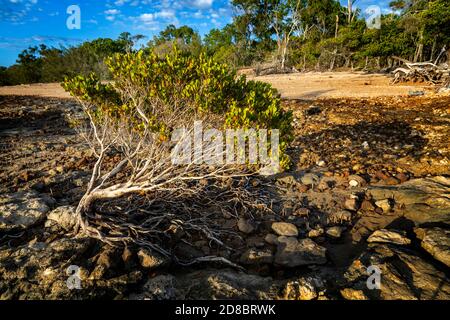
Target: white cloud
x=147 y=17
x=112 y=12
x=203 y=3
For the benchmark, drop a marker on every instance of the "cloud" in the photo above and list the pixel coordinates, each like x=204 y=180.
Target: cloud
x=203 y=4
x=112 y=12
x=15 y=11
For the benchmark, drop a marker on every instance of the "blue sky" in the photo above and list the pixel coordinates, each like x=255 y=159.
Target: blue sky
x=30 y=22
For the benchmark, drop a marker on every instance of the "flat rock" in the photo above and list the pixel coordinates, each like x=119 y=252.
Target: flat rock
x=22 y=210
x=436 y=241
x=63 y=217
x=389 y=236
x=294 y=253
x=209 y=284
x=285 y=229
x=423 y=200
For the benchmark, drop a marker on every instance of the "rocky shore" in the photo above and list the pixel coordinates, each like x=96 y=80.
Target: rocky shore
x=368 y=193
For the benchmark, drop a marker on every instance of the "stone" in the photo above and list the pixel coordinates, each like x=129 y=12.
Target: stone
x=310 y=179
x=285 y=229
x=404 y=275
x=353 y=294
x=22 y=210
x=287 y=180
x=339 y=217
x=356 y=181
x=389 y=236
x=63 y=217
x=209 y=284
x=151 y=260
x=256 y=257
x=38 y=270
x=314 y=233
x=246 y=226
x=302 y=289
x=335 y=232
x=423 y=200
x=351 y=204
x=435 y=241
x=292 y=253
x=271 y=239
x=391 y=181
x=385 y=205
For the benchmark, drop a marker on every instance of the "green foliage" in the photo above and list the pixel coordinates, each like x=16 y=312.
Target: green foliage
x=186 y=81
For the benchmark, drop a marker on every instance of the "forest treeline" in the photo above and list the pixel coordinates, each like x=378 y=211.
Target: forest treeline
x=286 y=34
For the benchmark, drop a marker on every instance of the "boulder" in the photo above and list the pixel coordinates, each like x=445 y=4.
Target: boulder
x=22 y=210
x=63 y=217
x=294 y=253
x=285 y=229
x=389 y=236
x=436 y=241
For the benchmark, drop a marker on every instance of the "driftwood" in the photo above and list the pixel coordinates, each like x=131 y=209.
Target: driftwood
x=428 y=72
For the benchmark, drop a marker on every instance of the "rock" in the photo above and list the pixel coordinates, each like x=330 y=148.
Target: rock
x=22 y=210
x=292 y=253
x=63 y=217
x=339 y=217
x=151 y=260
x=209 y=285
x=302 y=212
x=314 y=233
x=402 y=177
x=271 y=239
x=366 y=205
x=423 y=200
x=385 y=205
x=335 y=232
x=391 y=181
x=351 y=204
x=436 y=241
x=252 y=256
x=302 y=289
x=287 y=180
x=161 y=287
x=389 y=236
x=38 y=270
x=310 y=179
x=356 y=181
x=353 y=294
x=246 y=226
x=285 y=229
x=404 y=275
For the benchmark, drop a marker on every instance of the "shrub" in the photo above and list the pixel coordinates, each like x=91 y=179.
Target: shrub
x=185 y=81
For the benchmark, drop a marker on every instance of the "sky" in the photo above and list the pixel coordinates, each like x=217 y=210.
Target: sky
x=25 y=23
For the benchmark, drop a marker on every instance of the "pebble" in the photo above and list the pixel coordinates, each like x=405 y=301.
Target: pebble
x=335 y=232
x=245 y=226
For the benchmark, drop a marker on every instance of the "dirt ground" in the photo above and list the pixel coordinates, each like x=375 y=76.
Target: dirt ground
x=305 y=86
